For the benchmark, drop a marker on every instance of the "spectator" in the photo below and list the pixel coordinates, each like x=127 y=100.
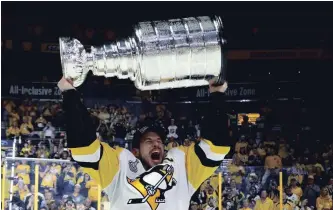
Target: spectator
x=295 y=189
x=273 y=164
x=311 y=191
x=246 y=205
x=191 y=131
x=88 y=205
x=26 y=127
x=291 y=197
x=211 y=204
x=42 y=151
x=69 y=179
x=40 y=123
x=172 y=130
x=246 y=126
x=23 y=170
x=172 y=143
x=13 y=131
x=49 y=179
x=29 y=200
x=9 y=105
x=330 y=187
x=77 y=197
x=47 y=114
x=242 y=143
x=70 y=204
x=92 y=187
x=304 y=205
x=14 y=117
x=49 y=131
x=264 y=203
x=236 y=170
x=49 y=198
x=21 y=188
x=286 y=205
x=26 y=149
x=55 y=168
x=324 y=201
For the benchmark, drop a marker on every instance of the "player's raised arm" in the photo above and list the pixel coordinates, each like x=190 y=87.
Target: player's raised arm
x=203 y=158
x=96 y=157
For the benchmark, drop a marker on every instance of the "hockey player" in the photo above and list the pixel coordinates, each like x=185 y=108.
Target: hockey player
x=152 y=181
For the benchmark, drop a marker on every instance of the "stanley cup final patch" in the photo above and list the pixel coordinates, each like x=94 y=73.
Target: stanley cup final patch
x=133 y=165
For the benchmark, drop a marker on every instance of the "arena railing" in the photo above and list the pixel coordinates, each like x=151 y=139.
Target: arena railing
x=70 y=174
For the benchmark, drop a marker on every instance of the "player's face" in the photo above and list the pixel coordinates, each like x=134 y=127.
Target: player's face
x=151 y=149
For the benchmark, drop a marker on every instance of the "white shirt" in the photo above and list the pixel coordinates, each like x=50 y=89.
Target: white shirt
x=49 y=131
x=173 y=131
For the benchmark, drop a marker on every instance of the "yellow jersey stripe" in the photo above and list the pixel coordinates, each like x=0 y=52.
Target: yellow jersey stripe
x=204 y=145
x=109 y=166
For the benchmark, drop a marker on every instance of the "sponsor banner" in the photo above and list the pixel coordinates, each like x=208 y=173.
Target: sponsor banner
x=243 y=91
x=33 y=90
x=129 y=92
x=233 y=91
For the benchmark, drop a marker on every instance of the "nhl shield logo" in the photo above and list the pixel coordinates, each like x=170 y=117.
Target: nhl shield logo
x=133 y=165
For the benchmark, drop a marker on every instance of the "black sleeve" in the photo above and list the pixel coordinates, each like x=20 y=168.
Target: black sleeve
x=215 y=126
x=79 y=125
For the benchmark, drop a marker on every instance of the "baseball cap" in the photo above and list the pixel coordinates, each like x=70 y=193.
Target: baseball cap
x=310 y=177
x=146 y=129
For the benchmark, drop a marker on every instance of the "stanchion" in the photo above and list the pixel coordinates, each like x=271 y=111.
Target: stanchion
x=99 y=197
x=220 y=190
x=3 y=186
x=281 y=190
x=12 y=174
x=36 y=187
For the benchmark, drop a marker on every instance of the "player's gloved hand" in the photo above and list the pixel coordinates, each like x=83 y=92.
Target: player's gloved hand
x=214 y=88
x=65 y=84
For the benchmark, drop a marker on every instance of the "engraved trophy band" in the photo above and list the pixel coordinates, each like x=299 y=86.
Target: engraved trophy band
x=174 y=53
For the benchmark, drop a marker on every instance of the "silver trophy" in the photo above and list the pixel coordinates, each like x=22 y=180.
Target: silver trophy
x=160 y=55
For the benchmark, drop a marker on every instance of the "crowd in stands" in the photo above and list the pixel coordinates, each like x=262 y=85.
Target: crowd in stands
x=249 y=181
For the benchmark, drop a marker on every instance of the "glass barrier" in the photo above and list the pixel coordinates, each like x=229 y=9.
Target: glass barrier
x=47 y=148
x=54 y=148
x=48 y=184
x=30 y=183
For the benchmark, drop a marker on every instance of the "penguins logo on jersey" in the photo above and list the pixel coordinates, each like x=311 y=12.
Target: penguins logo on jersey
x=152 y=185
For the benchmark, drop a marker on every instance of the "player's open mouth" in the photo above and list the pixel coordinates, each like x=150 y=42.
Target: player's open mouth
x=155 y=156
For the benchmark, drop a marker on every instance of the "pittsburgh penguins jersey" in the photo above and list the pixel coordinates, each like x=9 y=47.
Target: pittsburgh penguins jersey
x=169 y=185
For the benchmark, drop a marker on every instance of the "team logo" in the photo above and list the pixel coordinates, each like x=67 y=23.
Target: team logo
x=133 y=165
x=153 y=191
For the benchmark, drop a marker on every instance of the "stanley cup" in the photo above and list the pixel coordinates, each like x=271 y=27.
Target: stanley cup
x=160 y=55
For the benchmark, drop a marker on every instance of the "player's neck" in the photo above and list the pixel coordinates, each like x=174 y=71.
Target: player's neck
x=145 y=165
